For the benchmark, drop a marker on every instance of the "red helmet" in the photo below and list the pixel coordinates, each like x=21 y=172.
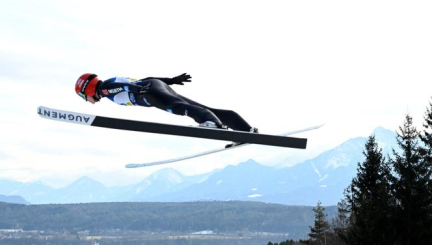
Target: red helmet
x=86 y=85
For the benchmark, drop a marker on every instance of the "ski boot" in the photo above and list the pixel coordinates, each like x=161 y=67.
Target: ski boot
x=211 y=124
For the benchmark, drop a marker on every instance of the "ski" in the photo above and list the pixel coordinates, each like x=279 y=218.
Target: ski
x=160 y=128
x=178 y=159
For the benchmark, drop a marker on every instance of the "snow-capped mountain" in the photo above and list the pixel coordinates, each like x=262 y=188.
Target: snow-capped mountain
x=386 y=139
x=322 y=178
x=162 y=182
x=34 y=192
x=82 y=190
x=232 y=183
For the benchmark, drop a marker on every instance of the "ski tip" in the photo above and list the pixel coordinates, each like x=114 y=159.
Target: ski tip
x=138 y=165
x=39 y=110
x=319 y=126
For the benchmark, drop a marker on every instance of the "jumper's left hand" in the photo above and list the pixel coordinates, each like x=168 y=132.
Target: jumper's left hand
x=181 y=79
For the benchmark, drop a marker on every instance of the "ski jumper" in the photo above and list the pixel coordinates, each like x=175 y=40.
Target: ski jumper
x=156 y=92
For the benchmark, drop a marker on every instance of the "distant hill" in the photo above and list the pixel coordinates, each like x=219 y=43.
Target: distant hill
x=13 y=199
x=175 y=217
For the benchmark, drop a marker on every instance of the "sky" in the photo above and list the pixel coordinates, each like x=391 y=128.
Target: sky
x=282 y=65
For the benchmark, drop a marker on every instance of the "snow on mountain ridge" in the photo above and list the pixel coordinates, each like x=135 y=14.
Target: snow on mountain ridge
x=169 y=174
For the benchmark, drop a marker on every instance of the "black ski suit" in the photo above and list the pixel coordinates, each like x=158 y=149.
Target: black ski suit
x=156 y=92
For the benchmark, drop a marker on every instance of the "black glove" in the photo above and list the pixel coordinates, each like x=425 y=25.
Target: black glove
x=181 y=79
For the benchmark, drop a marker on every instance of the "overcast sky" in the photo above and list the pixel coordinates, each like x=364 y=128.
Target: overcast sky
x=282 y=65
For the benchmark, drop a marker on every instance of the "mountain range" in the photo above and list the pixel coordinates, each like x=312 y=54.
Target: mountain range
x=322 y=178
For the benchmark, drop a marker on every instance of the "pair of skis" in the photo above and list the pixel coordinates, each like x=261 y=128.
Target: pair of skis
x=138 y=165
x=189 y=131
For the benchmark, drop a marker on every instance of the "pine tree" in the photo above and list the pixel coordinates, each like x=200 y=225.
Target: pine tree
x=412 y=187
x=321 y=226
x=426 y=154
x=341 y=223
x=426 y=137
x=370 y=198
x=427 y=134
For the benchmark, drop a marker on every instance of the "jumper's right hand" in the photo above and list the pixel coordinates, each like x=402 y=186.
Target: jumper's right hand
x=181 y=79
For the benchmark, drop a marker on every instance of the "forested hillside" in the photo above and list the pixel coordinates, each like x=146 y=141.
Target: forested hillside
x=182 y=217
